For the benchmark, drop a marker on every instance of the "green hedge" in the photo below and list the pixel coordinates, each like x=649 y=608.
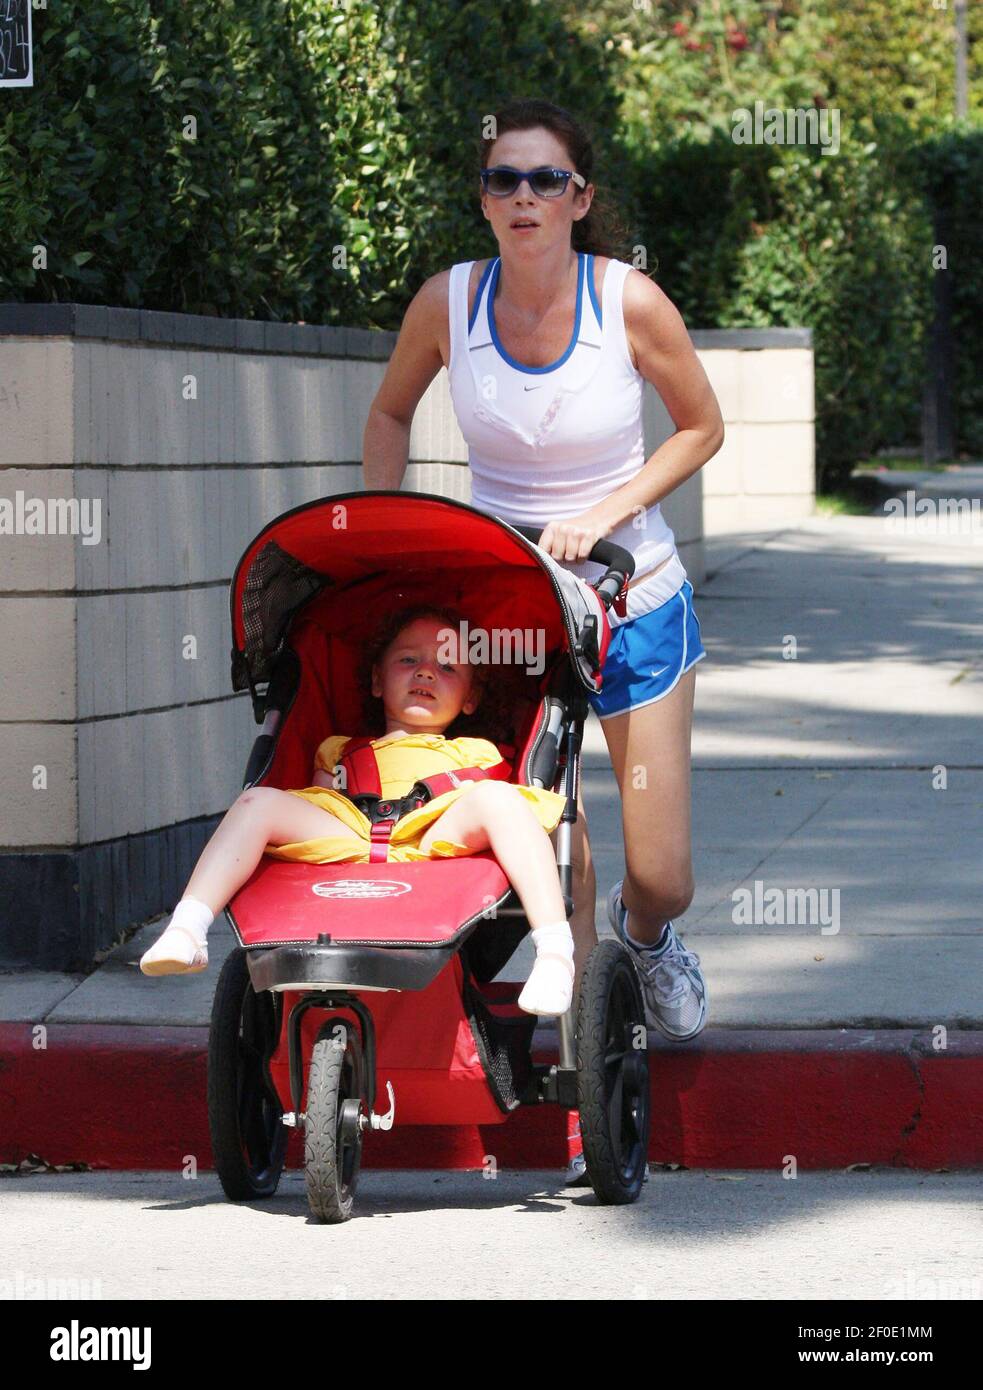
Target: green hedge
x=765 y=235
x=950 y=169
x=334 y=169
x=319 y=127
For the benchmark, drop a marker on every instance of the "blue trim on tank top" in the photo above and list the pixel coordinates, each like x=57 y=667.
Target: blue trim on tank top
x=552 y=366
x=591 y=289
x=477 y=299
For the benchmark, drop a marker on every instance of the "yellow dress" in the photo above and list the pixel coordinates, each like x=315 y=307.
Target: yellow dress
x=403 y=761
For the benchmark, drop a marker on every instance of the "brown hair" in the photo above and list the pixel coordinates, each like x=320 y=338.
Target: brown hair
x=603 y=231
x=489 y=720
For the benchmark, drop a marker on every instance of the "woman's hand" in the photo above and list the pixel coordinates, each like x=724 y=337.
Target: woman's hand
x=572 y=539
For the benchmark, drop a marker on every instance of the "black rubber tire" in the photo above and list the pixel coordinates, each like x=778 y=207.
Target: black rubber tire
x=613 y=1075
x=332 y=1162
x=249 y=1140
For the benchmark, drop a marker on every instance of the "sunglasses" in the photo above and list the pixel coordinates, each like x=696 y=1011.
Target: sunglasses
x=503 y=180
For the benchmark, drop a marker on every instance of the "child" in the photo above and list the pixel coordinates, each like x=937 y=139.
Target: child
x=420 y=697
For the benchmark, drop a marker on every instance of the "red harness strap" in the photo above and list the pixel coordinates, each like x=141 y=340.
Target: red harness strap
x=361 y=769
x=620 y=604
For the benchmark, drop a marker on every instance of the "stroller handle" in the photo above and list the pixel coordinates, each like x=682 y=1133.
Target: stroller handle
x=619 y=561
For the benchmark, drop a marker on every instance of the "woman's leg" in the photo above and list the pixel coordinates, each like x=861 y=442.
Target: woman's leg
x=650 y=754
x=258 y=817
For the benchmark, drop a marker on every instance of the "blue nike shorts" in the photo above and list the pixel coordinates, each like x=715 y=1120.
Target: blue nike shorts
x=647 y=655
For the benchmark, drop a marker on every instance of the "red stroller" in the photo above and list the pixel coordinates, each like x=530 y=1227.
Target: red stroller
x=351 y=976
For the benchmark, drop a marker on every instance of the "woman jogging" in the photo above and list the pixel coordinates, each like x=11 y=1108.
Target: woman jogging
x=547 y=348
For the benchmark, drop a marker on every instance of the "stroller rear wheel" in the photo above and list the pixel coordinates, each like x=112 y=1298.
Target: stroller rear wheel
x=249 y=1141
x=333 y=1130
x=613 y=1075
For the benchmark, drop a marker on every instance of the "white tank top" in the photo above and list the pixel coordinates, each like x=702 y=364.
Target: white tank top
x=545 y=443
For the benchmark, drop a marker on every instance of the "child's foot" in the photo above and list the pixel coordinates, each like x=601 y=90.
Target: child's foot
x=179 y=951
x=549 y=989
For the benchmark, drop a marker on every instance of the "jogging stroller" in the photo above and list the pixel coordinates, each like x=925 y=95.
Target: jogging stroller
x=350 y=978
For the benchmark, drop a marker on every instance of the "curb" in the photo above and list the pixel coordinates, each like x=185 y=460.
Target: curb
x=133 y=1097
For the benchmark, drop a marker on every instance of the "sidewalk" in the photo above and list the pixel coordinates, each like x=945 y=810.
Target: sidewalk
x=821 y=772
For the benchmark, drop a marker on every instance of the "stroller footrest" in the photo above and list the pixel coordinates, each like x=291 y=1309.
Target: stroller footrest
x=307 y=965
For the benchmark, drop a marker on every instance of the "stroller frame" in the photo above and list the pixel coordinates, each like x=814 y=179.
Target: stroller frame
x=332 y=973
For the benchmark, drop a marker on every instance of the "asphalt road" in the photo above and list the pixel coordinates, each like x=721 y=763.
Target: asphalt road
x=879 y=1234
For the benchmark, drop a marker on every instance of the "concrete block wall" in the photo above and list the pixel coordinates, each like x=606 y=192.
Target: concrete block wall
x=765 y=472
x=121 y=742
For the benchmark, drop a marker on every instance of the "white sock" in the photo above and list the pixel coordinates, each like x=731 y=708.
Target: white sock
x=195 y=917
x=648 y=945
x=549 y=989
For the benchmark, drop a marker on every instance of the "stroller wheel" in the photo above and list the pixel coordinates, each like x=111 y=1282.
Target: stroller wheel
x=244 y=1112
x=333 y=1132
x=613 y=1075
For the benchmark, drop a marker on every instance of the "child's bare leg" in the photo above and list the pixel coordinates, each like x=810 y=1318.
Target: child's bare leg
x=258 y=817
x=495 y=815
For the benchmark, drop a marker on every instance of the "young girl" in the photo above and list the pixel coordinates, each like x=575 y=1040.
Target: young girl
x=420 y=697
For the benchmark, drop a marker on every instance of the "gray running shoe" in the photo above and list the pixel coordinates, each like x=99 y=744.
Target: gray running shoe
x=673 y=986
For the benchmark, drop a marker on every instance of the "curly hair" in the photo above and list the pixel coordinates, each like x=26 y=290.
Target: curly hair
x=491 y=719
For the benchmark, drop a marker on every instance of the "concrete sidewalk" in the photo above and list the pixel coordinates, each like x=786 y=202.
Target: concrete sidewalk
x=838 y=746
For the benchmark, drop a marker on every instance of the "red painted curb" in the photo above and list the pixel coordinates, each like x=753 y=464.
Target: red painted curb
x=121 y=1097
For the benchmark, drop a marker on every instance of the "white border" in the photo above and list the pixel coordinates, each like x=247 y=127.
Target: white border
x=27 y=81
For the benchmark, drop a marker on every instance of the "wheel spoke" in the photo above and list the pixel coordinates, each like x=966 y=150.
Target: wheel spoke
x=252 y=1130
x=632 y=1132
x=256 y=1112
x=614 y=1110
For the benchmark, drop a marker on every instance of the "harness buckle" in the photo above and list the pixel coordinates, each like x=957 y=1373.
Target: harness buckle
x=376 y=809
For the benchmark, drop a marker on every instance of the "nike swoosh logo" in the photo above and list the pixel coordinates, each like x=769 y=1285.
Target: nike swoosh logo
x=662 y=672
x=532 y=388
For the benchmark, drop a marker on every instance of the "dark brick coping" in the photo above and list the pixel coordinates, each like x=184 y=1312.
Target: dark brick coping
x=163 y=329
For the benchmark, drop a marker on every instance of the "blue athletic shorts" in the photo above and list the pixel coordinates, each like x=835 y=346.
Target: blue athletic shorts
x=647 y=655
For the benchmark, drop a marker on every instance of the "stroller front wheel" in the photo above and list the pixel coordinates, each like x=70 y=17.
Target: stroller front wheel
x=613 y=1075
x=333 y=1131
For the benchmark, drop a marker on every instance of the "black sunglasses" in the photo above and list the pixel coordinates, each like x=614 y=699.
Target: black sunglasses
x=545 y=182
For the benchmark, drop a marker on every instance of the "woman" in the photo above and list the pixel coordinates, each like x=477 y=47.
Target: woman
x=547 y=347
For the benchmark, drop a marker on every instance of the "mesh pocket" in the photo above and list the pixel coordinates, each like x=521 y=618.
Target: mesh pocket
x=276 y=586
x=504 y=1046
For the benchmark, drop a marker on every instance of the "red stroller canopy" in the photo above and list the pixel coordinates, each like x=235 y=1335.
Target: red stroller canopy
x=351 y=557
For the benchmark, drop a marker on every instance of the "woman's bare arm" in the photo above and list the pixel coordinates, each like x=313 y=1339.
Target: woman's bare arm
x=666 y=358
x=415 y=362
